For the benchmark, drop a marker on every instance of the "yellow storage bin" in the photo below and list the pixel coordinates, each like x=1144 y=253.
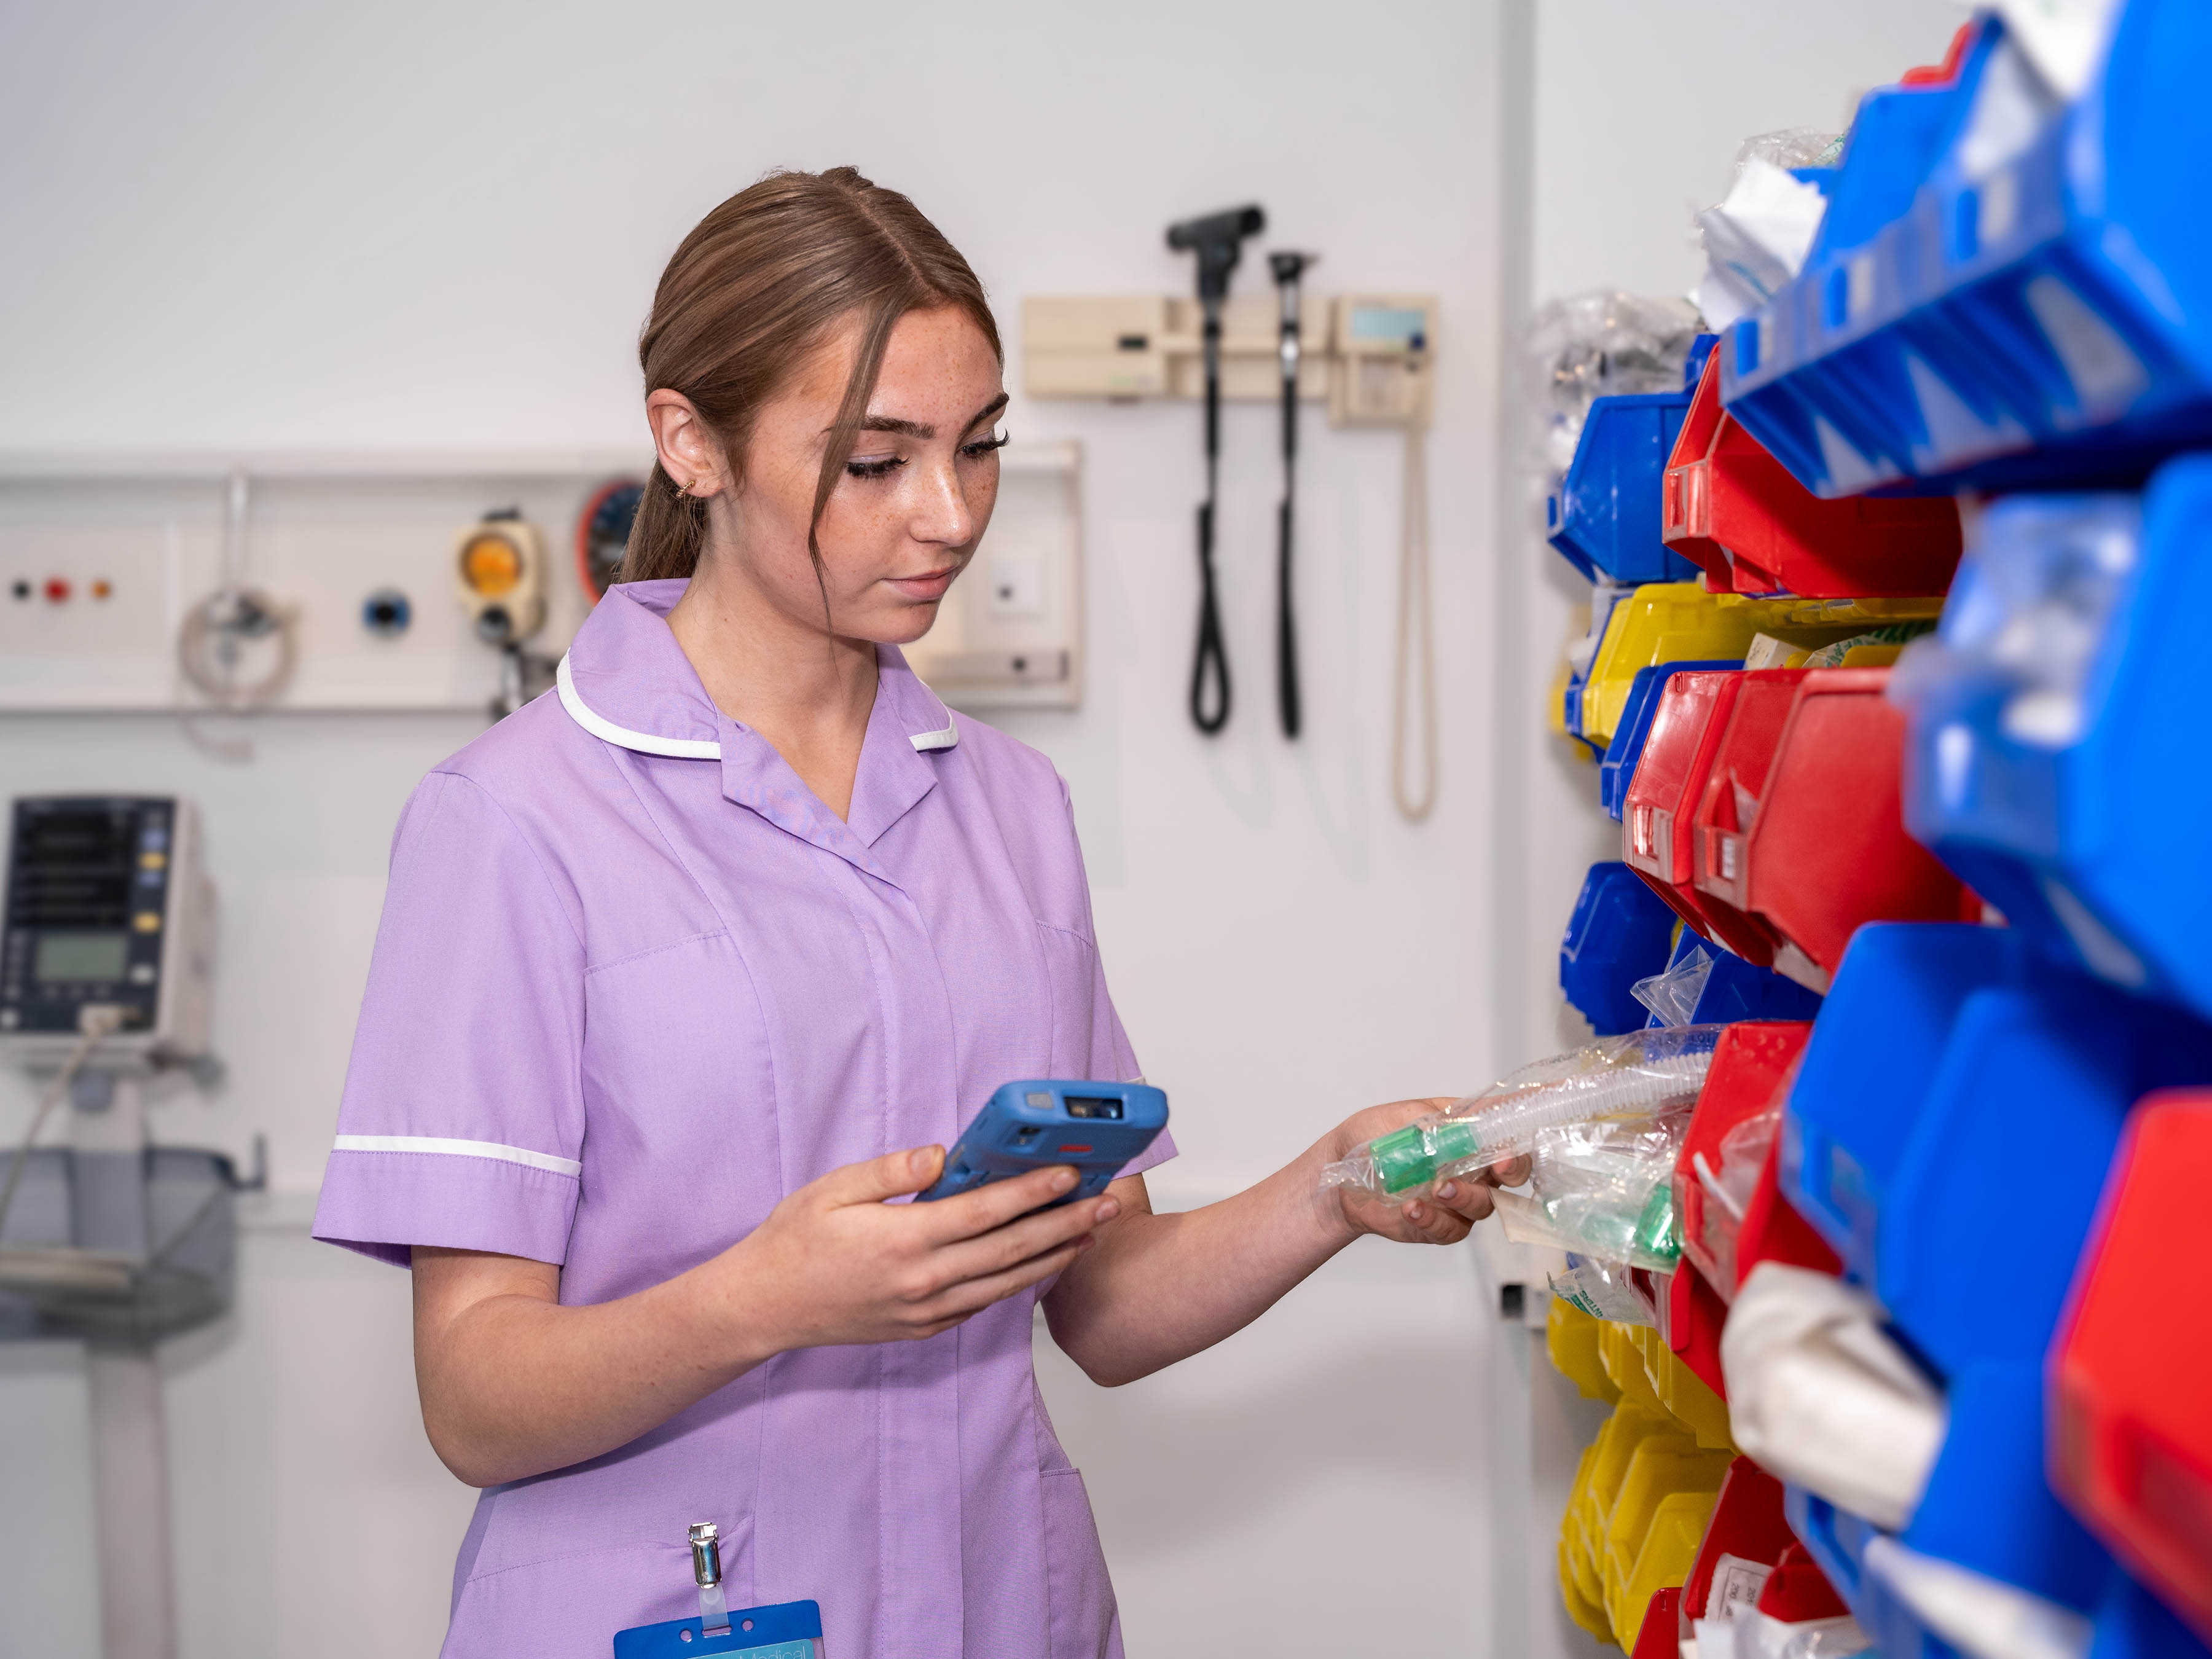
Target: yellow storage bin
x=1679 y=622
x=1570 y=1337
x=1583 y=1531
x=1670 y=1550
x=1682 y=1393
x=1589 y=1614
x=1662 y=1466
x=1622 y=1354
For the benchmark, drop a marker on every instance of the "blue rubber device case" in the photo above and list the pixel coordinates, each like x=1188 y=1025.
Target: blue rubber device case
x=1097 y=1127
x=789 y=1630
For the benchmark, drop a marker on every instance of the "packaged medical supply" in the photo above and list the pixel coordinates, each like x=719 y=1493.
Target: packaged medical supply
x=1621 y=1080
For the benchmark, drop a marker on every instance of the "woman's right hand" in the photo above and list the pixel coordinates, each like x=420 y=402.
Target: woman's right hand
x=834 y=1263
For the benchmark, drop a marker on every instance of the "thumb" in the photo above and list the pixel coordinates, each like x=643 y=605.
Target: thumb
x=883 y=1177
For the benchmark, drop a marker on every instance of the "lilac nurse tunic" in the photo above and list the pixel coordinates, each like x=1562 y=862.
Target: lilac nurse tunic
x=634 y=983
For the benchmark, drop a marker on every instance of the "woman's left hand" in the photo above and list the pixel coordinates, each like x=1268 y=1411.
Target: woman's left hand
x=1447 y=1218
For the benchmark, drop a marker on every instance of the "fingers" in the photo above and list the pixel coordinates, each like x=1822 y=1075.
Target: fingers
x=1018 y=1242
x=972 y=1214
x=1433 y=1224
x=1471 y=1200
x=879 y=1178
x=1510 y=1172
x=971 y=1296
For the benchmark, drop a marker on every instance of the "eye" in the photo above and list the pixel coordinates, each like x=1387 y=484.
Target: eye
x=977 y=448
x=874 y=467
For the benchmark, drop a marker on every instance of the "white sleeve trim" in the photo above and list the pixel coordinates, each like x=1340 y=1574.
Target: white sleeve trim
x=522 y=1155
x=643 y=742
x=925 y=741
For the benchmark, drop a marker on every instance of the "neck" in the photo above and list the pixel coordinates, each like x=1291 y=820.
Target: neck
x=807 y=691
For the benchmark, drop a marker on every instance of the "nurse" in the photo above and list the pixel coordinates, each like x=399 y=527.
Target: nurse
x=686 y=970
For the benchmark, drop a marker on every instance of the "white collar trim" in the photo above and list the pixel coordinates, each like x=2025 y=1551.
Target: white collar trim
x=692 y=748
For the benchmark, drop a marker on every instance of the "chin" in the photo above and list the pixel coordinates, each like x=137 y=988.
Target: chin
x=902 y=627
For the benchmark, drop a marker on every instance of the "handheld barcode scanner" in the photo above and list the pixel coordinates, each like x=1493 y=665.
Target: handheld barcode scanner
x=1288 y=268
x=1218 y=240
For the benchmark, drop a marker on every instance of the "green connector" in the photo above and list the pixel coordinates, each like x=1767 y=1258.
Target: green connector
x=1656 y=1231
x=1408 y=1156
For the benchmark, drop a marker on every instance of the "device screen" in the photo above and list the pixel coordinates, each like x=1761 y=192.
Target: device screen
x=80 y=958
x=1092 y=1106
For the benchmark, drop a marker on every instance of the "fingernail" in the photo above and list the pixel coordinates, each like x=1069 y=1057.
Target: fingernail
x=1063 y=1180
x=1415 y=1214
x=1109 y=1209
x=1447 y=1190
x=919 y=1159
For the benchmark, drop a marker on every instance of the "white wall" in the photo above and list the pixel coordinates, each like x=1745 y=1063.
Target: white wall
x=267 y=225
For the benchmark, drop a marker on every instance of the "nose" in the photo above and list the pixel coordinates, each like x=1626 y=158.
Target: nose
x=942 y=516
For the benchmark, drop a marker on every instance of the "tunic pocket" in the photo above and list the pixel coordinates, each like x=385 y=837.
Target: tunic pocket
x=1083 y=1622
x=1078 y=1048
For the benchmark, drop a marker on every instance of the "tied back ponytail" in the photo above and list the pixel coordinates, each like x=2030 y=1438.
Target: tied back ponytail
x=751 y=293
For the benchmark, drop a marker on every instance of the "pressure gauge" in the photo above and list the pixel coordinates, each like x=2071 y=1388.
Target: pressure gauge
x=603 y=535
x=499 y=571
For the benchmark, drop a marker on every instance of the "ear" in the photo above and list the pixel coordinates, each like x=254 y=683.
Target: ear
x=689 y=454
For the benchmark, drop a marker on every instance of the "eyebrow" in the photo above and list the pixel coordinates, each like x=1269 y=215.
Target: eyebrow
x=923 y=429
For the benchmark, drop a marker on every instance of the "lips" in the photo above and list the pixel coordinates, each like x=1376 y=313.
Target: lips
x=929 y=585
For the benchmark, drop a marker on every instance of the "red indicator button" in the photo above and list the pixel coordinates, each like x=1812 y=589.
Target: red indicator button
x=1075 y=1149
x=58 y=589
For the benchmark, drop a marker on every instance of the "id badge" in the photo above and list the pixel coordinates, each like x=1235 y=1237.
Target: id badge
x=789 y=1630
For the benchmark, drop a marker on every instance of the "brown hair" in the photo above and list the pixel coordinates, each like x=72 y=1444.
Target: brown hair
x=754 y=291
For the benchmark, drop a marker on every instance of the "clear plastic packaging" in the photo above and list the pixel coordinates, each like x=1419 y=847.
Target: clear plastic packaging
x=1604 y=1289
x=1673 y=993
x=1595 y=345
x=1601 y=1126
x=2029 y=612
x=1604 y=1189
x=1756 y=240
x=1729 y=1187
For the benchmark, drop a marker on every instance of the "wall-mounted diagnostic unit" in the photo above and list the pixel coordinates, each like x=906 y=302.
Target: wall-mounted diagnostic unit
x=104 y=965
x=106 y=906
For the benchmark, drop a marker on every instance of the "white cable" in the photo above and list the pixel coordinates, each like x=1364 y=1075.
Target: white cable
x=97 y=1022
x=1415 y=632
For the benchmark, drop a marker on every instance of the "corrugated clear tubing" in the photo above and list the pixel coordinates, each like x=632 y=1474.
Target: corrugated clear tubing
x=1642 y=1075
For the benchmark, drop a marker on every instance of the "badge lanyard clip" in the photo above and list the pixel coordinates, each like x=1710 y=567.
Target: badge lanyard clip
x=790 y=1630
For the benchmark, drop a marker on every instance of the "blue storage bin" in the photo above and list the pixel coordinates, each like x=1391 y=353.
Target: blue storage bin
x=2053 y=778
x=1735 y=989
x=1604 y=596
x=1620 y=931
x=1604 y=518
x=2000 y=273
x=1867 y=1069
x=1618 y=767
x=1835 y=1539
x=2005 y=1159
x=1988 y=1506
x=2134 y=1623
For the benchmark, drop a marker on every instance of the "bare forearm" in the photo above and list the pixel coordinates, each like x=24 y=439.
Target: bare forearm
x=1159 y=1288
x=515 y=1385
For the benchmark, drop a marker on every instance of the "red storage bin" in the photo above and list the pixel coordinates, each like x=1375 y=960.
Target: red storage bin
x=1799 y=1592
x=1730 y=506
x=1656 y=826
x=1773 y=1230
x=1659 y=1638
x=1695 y=1313
x=1727 y=807
x=1751 y=1070
x=1748 y=1523
x=1827 y=850
x=2131 y=1366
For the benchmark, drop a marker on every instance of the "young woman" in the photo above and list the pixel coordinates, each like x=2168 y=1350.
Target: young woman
x=685 y=970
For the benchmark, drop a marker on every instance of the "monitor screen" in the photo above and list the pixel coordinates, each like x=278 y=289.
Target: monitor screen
x=80 y=958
